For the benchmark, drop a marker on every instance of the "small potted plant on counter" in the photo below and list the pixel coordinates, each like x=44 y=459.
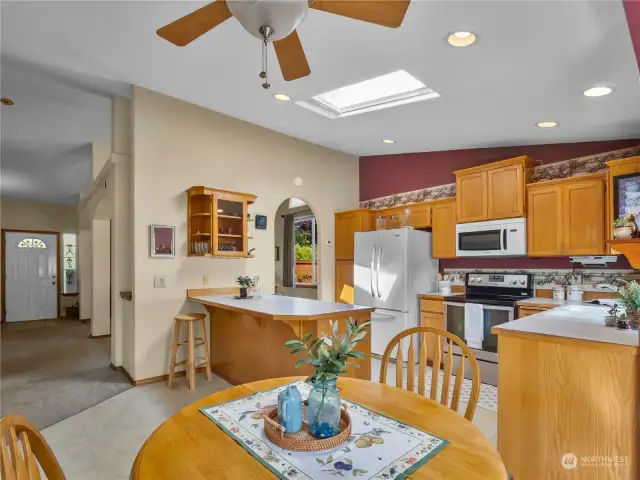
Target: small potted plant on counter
x=622 y=228
x=329 y=356
x=245 y=284
x=630 y=300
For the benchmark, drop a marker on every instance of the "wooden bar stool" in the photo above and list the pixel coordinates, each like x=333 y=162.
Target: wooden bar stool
x=191 y=319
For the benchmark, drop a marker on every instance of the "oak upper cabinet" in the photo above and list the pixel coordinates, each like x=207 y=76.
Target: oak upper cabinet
x=443 y=228
x=344 y=281
x=567 y=216
x=493 y=191
x=419 y=215
x=347 y=224
x=471 y=193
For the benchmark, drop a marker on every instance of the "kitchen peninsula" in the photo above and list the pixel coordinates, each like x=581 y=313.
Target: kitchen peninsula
x=569 y=386
x=247 y=336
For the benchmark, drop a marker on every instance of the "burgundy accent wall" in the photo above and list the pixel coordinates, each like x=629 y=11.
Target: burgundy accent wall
x=632 y=8
x=382 y=175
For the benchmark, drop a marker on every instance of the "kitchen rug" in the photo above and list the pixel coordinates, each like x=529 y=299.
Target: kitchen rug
x=380 y=448
x=487 y=399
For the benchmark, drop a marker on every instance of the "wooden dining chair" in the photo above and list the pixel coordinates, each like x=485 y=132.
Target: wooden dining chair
x=437 y=357
x=22 y=448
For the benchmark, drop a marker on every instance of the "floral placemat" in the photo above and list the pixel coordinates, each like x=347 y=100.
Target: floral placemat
x=379 y=448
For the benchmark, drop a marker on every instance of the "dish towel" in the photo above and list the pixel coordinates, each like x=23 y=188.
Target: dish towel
x=473 y=324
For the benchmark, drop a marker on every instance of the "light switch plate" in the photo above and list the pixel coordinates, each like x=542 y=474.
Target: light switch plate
x=205 y=279
x=159 y=281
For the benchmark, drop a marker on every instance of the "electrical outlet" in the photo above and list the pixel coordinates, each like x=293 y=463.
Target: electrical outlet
x=159 y=281
x=205 y=279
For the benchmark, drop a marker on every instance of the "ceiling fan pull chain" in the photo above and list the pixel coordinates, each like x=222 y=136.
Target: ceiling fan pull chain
x=265 y=65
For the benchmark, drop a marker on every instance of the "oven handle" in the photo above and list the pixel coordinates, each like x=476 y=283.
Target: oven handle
x=496 y=307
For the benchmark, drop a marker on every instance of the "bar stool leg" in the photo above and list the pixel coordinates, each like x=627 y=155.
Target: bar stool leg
x=207 y=364
x=174 y=351
x=191 y=361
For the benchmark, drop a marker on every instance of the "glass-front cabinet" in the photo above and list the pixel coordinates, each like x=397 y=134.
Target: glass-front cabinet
x=217 y=222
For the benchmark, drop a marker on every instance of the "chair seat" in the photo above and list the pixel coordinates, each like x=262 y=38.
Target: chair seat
x=190 y=317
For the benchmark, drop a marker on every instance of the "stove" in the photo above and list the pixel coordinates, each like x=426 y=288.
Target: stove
x=497 y=294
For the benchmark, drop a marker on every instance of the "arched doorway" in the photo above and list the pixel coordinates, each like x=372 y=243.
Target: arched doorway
x=296 y=250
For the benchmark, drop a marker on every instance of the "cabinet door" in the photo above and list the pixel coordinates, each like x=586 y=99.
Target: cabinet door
x=344 y=281
x=347 y=224
x=443 y=230
x=420 y=215
x=436 y=320
x=544 y=227
x=583 y=205
x=471 y=194
x=505 y=198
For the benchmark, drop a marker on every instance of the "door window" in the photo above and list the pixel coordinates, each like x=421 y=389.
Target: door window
x=31 y=243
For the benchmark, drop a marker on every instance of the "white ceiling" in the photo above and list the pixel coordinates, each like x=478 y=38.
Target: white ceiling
x=47 y=135
x=531 y=63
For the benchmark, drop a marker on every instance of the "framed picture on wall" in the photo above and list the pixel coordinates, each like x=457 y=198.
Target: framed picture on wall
x=626 y=195
x=162 y=241
x=261 y=222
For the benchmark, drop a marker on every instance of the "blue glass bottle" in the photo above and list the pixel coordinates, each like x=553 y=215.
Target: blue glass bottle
x=324 y=409
x=290 y=409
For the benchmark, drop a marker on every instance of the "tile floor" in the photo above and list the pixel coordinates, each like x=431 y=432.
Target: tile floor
x=102 y=442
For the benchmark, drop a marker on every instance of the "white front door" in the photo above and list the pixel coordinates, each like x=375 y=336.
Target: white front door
x=30 y=281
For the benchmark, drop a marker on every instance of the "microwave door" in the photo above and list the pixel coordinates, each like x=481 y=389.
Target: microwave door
x=480 y=242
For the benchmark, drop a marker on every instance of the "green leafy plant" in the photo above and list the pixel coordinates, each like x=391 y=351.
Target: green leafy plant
x=621 y=221
x=630 y=296
x=244 y=282
x=304 y=278
x=329 y=354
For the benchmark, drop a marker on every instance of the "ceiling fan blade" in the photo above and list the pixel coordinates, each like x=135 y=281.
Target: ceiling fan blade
x=291 y=57
x=388 y=13
x=188 y=28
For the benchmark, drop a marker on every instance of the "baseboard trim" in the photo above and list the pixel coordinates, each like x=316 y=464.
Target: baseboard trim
x=165 y=377
x=100 y=336
x=124 y=371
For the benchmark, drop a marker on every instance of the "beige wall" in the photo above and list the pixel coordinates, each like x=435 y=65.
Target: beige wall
x=177 y=145
x=26 y=215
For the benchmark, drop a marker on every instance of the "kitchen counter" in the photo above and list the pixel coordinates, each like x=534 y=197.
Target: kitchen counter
x=551 y=302
x=247 y=336
x=567 y=383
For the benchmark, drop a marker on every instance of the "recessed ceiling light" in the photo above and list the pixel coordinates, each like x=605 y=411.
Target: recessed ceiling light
x=547 y=124
x=6 y=101
x=597 y=91
x=461 y=39
x=281 y=96
x=388 y=141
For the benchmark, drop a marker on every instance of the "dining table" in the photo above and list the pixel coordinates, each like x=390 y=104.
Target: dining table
x=188 y=445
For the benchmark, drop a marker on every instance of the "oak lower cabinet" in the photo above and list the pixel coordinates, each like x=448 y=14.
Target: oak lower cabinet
x=432 y=315
x=567 y=217
x=344 y=281
x=493 y=191
x=346 y=225
x=443 y=228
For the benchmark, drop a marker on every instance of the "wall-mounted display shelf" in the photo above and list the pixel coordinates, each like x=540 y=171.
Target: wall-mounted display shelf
x=217 y=222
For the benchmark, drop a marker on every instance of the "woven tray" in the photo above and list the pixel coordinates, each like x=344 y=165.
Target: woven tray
x=303 y=441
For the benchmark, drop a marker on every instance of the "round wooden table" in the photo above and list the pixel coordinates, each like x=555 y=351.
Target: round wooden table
x=190 y=446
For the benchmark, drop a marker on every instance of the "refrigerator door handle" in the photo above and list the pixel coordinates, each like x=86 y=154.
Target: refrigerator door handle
x=373 y=257
x=378 y=272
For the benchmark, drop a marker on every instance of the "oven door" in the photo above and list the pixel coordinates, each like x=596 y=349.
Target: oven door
x=492 y=314
x=480 y=241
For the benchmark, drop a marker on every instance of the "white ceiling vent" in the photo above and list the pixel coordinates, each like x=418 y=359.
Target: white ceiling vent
x=386 y=91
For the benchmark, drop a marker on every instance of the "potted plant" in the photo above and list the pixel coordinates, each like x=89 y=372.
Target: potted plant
x=611 y=319
x=329 y=356
x=630 y=300
x=621 y=227
x=245 y=284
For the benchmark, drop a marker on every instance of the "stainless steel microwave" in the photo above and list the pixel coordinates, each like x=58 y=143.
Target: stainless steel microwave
x=495 y=238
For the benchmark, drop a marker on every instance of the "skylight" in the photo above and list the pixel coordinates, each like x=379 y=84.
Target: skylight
x=390 y=90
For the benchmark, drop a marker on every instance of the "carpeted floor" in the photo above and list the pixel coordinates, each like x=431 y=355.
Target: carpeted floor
x=51 y=370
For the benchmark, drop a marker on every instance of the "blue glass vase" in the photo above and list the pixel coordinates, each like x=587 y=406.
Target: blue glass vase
x=324 y=409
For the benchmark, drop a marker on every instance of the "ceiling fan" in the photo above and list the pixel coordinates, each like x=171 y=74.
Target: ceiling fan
x=276 y=21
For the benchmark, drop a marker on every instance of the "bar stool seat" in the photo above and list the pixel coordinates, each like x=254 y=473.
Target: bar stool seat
x=192 y=342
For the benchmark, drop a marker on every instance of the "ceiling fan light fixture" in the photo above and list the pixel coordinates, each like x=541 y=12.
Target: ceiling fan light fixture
x=461 y=38
x=281 y=96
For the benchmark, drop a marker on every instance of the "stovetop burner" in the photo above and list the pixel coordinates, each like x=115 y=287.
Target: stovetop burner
x=495 y=289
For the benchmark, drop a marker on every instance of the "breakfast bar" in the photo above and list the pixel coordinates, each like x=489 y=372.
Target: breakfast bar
x=568 y=396
x=247 y=336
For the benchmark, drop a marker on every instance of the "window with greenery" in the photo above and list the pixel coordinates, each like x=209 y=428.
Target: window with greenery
x=306 y=240
x=69 y=263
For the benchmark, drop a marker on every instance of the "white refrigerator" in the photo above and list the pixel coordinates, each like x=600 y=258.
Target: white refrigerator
x=391 y=268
